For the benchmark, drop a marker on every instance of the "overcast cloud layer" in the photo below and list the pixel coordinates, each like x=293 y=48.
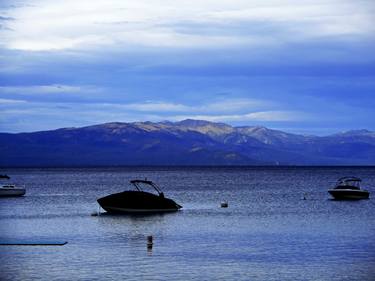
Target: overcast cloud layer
x=299 y=66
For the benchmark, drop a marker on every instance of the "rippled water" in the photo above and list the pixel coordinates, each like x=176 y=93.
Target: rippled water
x=267 y=233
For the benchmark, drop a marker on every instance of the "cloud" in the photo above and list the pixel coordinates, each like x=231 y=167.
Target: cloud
x=21 y=115
x=155 y=107
x=220 y=106
x=264 y=116
x=6 y=18
x=10 y=101
x=52 y=94
x=46 y=89
x=129 y=24
x=53 y=43
x=224 y=110
x=74 y=63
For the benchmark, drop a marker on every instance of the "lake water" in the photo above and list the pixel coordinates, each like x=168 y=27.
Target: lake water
x=267 y=233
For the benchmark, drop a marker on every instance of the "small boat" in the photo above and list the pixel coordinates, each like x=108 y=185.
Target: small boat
x=9 y=190
x=348 y=188
x=4 y=177
x=138 y=201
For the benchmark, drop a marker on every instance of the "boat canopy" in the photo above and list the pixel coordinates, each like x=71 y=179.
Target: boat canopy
x=349 y=178
x=138 y=183
x=348 y=182
x=141 y=181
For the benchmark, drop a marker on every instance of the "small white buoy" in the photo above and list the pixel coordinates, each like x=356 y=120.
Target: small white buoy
x=224 y=204
x=95 y=214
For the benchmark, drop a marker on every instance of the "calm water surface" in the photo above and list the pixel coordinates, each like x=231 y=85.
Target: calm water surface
x=267 y=233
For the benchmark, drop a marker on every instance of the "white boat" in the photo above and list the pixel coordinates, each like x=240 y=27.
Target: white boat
x=11 y=190
x=348 y=188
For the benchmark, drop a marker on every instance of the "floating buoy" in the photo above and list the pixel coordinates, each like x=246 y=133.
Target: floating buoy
x=224 y=204
x=95 y=214
x=149 y=242
x=304 y=196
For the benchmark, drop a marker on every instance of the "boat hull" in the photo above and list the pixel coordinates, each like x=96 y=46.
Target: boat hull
x=137 y=202
x=110 y=209
x=345 y=194
x=12 y=192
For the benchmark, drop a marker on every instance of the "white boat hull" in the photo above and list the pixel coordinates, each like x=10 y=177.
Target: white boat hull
x=127 y=210
x=7 y=192
x=349 y=194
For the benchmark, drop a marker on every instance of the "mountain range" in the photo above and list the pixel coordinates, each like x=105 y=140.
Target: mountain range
x=188 y=142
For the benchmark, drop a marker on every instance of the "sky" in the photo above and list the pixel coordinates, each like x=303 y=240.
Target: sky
x=299 y=66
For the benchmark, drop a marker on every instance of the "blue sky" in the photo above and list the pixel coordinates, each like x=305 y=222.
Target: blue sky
x=300 y=66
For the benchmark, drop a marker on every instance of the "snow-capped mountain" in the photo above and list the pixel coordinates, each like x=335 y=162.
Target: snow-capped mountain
x=188 y=142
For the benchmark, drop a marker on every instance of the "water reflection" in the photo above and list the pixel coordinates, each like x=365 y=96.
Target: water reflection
x=267 y=233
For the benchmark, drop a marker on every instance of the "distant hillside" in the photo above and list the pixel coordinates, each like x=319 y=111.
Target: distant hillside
x=188 y=142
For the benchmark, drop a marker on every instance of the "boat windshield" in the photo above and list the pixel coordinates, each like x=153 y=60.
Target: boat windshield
x=8 y=186
x=348 y=183
x=141 y=183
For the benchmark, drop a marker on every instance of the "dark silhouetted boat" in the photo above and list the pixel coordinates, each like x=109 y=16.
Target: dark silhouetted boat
x=4 y=177
x=348 y=188
x=138 y=201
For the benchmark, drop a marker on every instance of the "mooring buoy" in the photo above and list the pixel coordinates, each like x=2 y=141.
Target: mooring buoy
x=97 y=213
x=149 y=241
x=224 y=204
